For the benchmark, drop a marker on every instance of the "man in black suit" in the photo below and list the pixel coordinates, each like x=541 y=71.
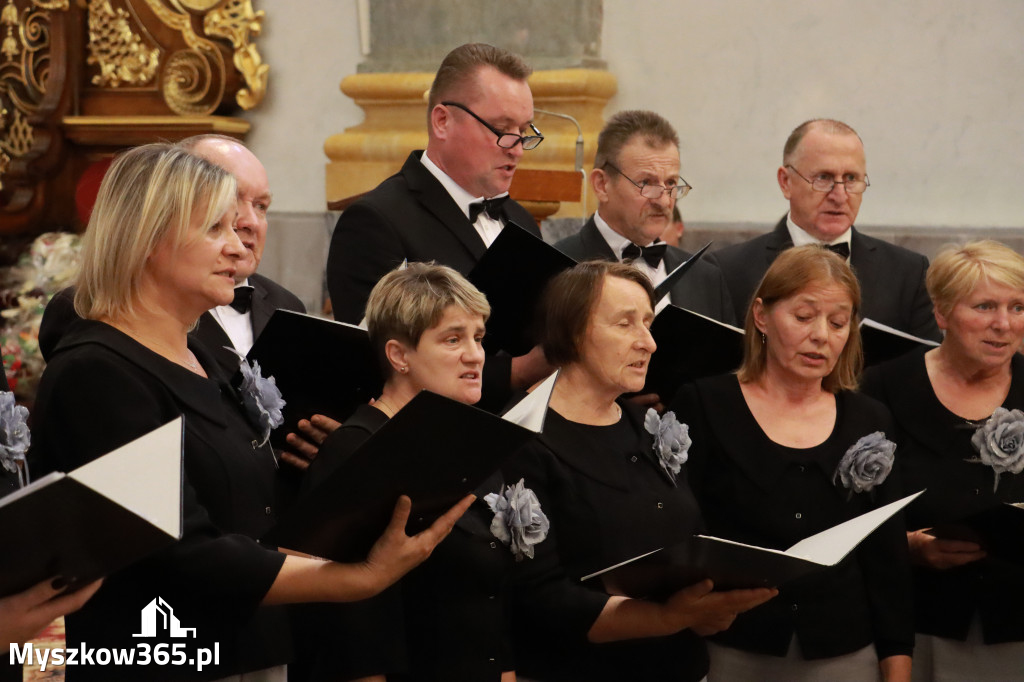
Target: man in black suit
x=824 y=176
x=636 y=180
x=256 y=297
x=449 y=202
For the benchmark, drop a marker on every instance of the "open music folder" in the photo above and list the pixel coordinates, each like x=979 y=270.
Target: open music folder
x=690 y=346
x=435 y=450
x=513 y=273
x=320 y=366
x=736 y=565
x=97 y=519
x=882 y=342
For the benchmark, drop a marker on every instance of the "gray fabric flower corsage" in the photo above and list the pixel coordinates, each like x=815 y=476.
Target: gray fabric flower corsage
x=867 y=463
x=261 y=398
x=518 y=521
x=1000 y=442
x=671 y=441
x=14 y=437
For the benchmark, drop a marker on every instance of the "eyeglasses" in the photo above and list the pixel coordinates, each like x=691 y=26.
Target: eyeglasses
x=649 y=191
x=505 y=140
x=823 y=182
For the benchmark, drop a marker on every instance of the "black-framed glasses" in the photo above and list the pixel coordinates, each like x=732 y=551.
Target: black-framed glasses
x=823 y=182
x=649 y=191
x=505 y=140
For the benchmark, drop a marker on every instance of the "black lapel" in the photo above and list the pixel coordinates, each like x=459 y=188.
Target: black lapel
x=432 y=195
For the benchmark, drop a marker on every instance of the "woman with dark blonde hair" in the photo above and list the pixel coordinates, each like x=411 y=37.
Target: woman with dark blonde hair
x=158 y=252
x=610 y=477
x=773 y=450
x=958 y=408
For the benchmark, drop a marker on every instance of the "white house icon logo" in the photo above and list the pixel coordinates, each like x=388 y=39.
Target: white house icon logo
x=158 y=618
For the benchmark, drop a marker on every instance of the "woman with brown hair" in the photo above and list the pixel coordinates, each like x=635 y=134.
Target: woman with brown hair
x=774 y=447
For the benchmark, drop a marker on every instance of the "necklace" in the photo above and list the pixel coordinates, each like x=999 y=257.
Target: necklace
x=165 y=350
x=385 y=408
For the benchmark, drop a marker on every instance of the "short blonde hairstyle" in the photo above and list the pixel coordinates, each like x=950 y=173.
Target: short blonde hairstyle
x=794 y=270
x=958 y=269
x=149 y=194
x=408 y=301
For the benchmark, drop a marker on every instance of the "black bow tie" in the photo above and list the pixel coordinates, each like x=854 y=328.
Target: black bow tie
x=495 y=208
x=842 y=248
x=243 y=299
x=652 y=254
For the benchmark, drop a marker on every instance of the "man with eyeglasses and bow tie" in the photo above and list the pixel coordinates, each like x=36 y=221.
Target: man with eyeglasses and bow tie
x=448 y=203
x=824 y=177
x=636 y=180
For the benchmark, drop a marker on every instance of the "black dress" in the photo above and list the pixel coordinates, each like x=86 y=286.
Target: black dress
x=607 y=501
x=446 y=620
x=935 y=445
x=102 y=389
x=755 y=491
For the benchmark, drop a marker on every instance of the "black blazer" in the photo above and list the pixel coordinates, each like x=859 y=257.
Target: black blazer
x=757 y=492
x=451 y=613
x=267 y=296
x=935 y=445
x=410 y=216
x=702 y=290
x=607 y=501
x=102 y=389
x=891 y=278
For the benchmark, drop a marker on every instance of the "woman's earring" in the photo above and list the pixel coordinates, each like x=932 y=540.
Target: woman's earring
x=403 y=369
x=763 y=339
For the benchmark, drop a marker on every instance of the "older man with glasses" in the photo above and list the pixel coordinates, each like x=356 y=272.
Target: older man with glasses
x=636 y=181
x=824 y=177
x=449 y=202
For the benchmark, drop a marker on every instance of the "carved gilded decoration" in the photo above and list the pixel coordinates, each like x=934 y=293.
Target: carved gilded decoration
x=24 y=72
x=82 y=79
x=119 y=51
x=236 y=21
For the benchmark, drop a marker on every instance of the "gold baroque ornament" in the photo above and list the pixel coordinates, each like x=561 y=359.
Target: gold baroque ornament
x=235 y=21
x=193 y=79
x=122 y=57
x=24 y=71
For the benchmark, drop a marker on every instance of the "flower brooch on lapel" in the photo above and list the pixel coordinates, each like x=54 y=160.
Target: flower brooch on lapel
x=867 y=463
x=14 y=437
x=1000 y=442
x=261 y=398
x=518 y=521
x=671 y=441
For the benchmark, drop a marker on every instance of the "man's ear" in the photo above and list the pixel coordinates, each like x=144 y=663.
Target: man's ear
x=599 y=180
x=783 y=177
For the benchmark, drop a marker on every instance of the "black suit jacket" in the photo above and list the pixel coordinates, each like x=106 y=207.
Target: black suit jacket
x=102 y=389
x=891 y=278
x=702 y=289
x=935 y=450
x=410 y=216
x=267 y=296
